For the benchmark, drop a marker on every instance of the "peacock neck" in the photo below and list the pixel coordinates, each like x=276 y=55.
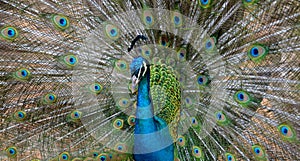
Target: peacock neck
x=143 y=97
x=144 y=111
x=152 y=140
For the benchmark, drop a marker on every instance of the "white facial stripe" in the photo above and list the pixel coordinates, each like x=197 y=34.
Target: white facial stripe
x=139 y=73
x=145 y=66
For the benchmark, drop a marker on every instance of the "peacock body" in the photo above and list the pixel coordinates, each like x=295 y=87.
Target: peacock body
x=210 y=80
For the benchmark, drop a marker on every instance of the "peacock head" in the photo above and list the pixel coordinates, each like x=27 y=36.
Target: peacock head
x=138 y=69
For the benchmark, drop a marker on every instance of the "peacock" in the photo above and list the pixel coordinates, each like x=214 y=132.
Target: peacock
x=149 y=80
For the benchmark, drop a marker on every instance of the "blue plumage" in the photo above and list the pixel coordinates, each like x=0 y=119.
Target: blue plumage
x=152 y=139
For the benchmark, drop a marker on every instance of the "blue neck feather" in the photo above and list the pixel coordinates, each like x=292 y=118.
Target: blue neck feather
x=152 y=138
x=144 y=111
x=143 y=92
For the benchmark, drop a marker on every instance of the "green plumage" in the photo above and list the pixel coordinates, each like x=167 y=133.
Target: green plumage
x=165 y=91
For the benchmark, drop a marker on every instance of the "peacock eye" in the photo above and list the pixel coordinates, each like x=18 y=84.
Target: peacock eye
x=181 y=54
x=258 y=152
x=220 y=116
x=76 y=115
x=121 y=147
x=188 y=102
x=64 y=156
x=61 y=22
x=284 y=130
x=287 y=132
x=197 y=152
x=95 y=154
x=121 y=65
x=177 y=19
x=131 y=120
x=9 y=33
x=49 y=98
x=205 y=3
x=194 y=122
x=163 y=41
x=229 y=157
x=118 y=124
x=146 y=51
x=20 y=115
x=210 y=44
x=181 y=141
x=112 y=31
x=148 y=18
x=11 y=152
x=102 y=157
x=123 y=103
x=95 y=88
x=242 y=97
x=257 y=52
x=22 y=74
x=202 y=80
x=71 y=60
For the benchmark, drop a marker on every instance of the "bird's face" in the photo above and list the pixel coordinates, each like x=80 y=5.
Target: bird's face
x=138 y=69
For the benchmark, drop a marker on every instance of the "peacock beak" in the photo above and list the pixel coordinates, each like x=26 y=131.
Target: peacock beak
x=134 y=82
